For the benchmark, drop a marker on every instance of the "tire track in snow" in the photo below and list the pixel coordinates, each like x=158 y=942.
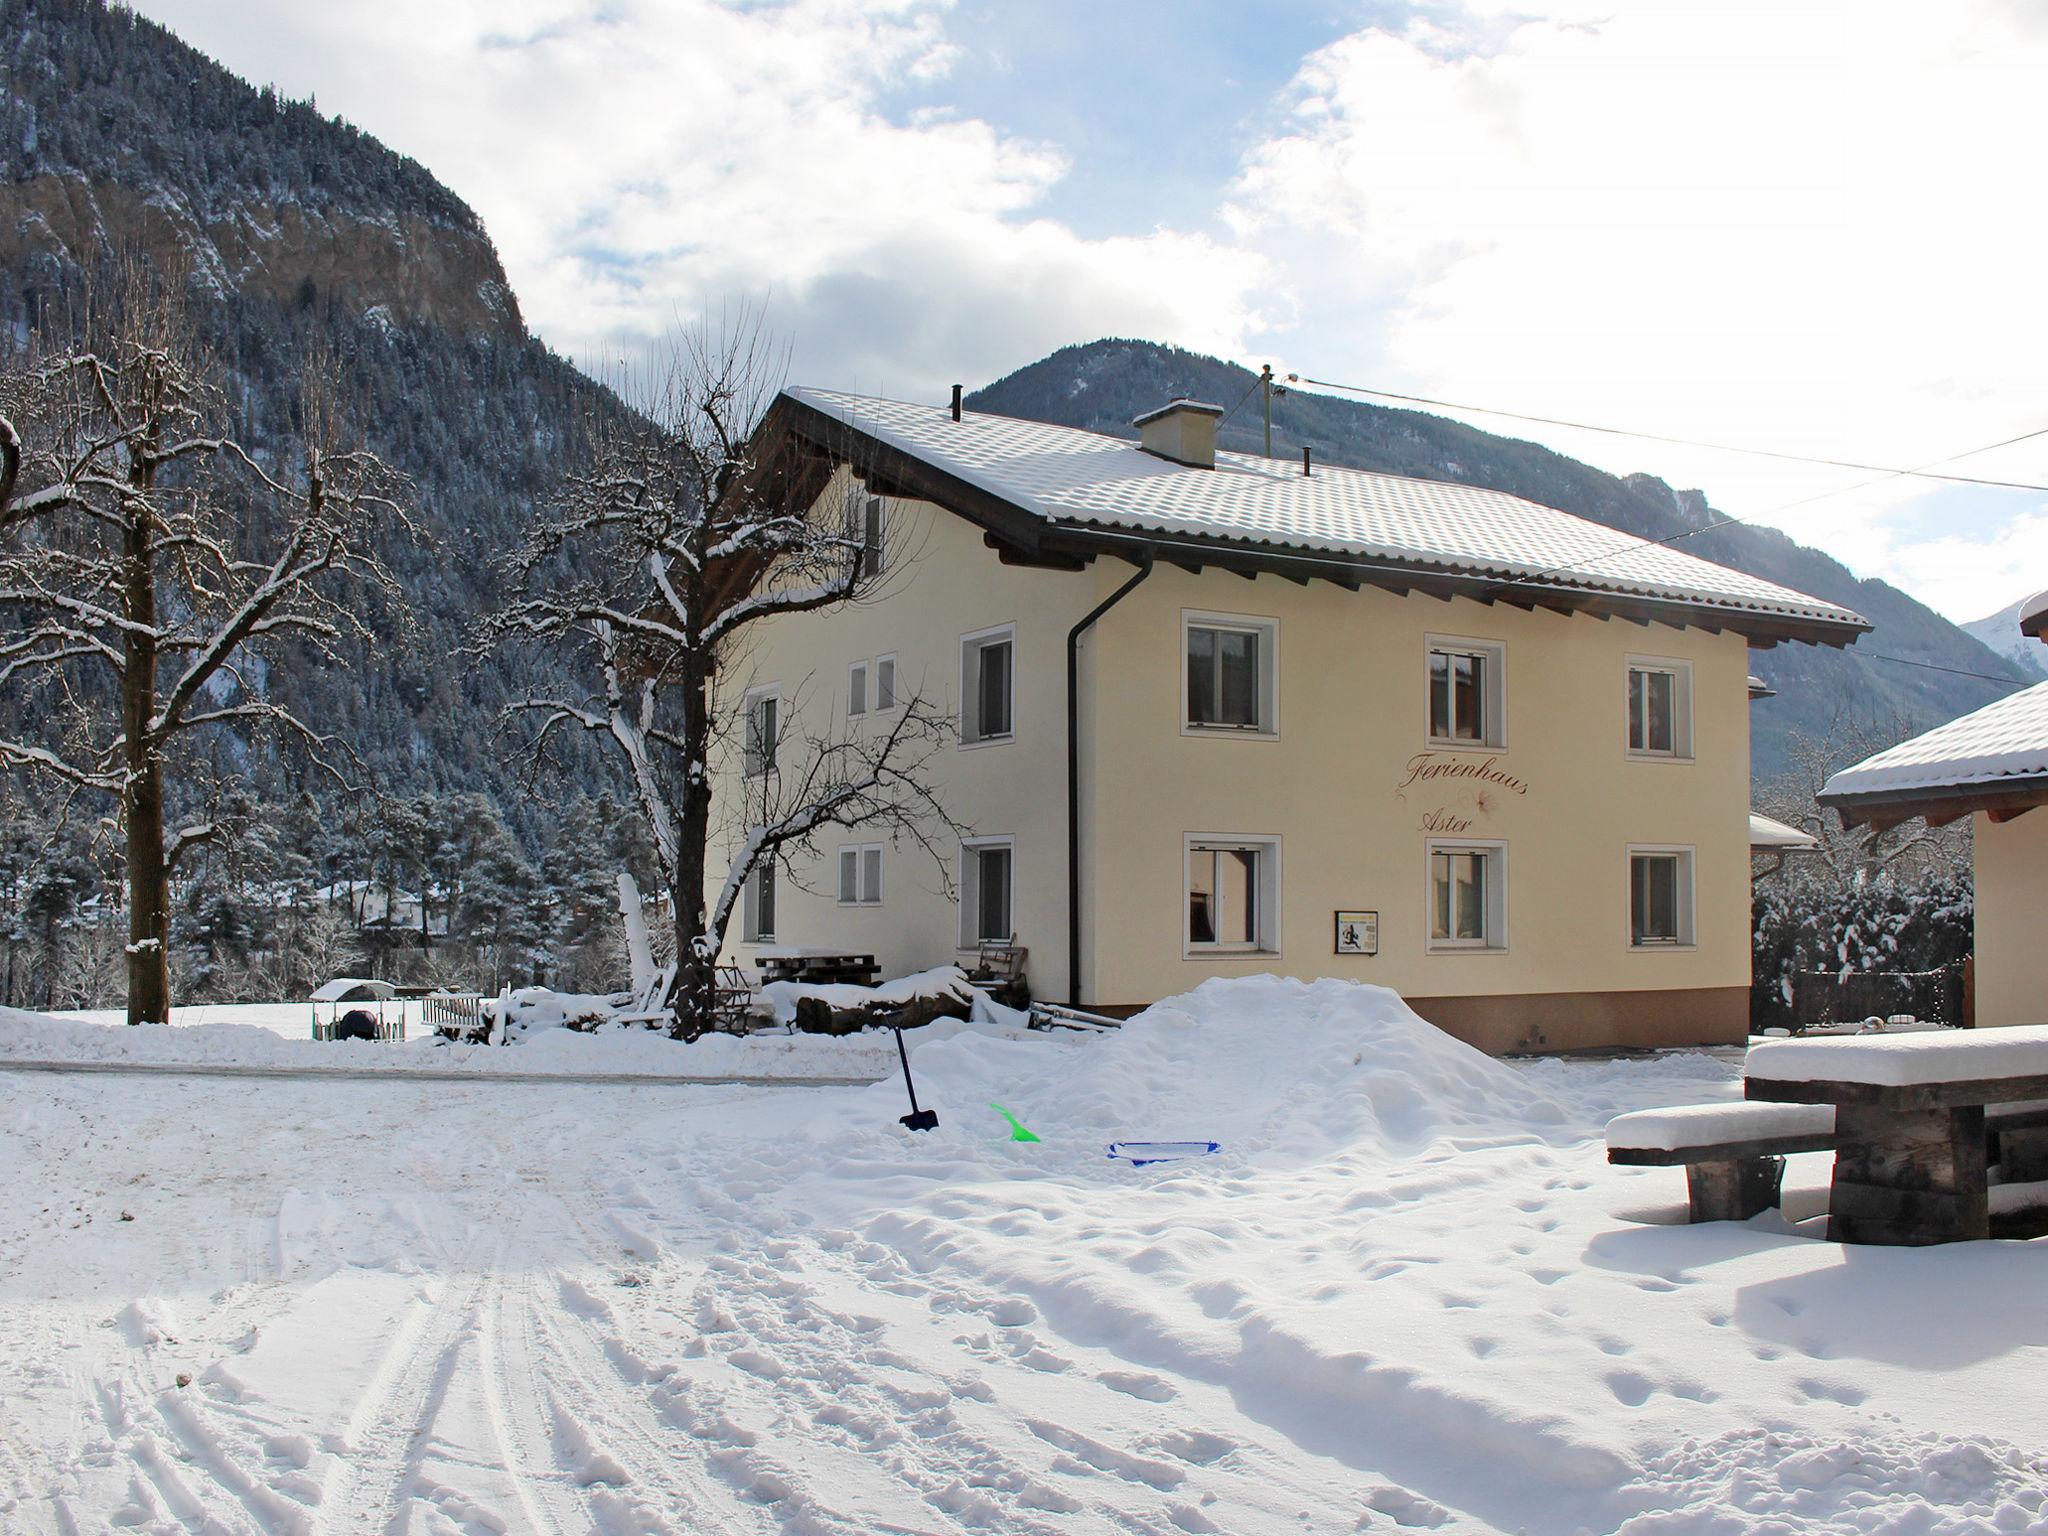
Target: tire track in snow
x=514 y=1407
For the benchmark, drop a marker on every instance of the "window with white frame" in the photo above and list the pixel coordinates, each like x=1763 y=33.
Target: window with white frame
x=857 y=688
x=988 y=878
x=1232 y=900
x=860 y=875
x=885 y=682
x=763 y=730
x=988 y=686
x=1230 y=682
x=757 y=918
x=1660 y=898
x=1659 y=707
x=1468 y=896
x=1468 y=693
x=864 y=530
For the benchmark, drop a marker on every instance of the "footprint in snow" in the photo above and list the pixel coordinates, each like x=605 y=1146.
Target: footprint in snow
x=1410 y=1510
x=1153 y=1389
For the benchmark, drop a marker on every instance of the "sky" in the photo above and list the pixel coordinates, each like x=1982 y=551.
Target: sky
x=1797 y=225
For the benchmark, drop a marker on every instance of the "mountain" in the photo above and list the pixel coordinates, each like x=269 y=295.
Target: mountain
x=1905 y=676
x=2001 y=633
x=304 y=234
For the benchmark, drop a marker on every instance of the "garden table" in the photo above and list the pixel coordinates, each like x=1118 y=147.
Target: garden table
x=1909 y=1122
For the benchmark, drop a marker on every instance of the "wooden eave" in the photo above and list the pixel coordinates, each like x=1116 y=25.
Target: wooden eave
x=2000 y=799
x=1022 y=537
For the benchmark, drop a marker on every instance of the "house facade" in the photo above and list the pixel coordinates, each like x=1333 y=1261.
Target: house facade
x=1219 y=715
x=1991 y=766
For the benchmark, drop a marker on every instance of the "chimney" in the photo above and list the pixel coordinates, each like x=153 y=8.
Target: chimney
x=1183 y=431
x=956 y=402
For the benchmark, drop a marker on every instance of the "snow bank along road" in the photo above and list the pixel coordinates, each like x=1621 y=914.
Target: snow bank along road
x=1409 y=1294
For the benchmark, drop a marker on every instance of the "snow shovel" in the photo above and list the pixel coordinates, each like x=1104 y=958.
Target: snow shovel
x=917 y=1119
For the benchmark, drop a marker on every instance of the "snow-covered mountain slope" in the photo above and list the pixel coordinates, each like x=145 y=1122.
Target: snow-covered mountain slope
x=2001 y=632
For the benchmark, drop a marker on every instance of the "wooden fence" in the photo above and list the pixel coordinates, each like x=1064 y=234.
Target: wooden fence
x=1839 y=997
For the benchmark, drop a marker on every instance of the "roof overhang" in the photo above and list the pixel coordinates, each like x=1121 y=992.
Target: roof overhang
x=1023 y=537
x=2034 y=616
x=2000 y=799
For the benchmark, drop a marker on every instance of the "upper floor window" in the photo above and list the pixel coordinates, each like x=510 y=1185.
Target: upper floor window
x=1659 y=708
x=857 y=688
x=1232 y=672
x=864 y=533
x=1468 y=693
x=860 y=875
x=1660 y=898
x=987 y=702
x=885 y=682
x=763 y=728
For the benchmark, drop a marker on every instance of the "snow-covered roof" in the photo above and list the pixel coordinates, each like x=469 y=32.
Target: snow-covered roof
x=2034 y=616
x=1997 y=746
x=1072 y=479
x=351 y=989
x=1766 y=833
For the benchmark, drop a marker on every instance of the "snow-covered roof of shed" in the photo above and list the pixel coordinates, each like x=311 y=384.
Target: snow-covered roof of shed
x=2003 y=741
x=1078 y=479
x=347 y=988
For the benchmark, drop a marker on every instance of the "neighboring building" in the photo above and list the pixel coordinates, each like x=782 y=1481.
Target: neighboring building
x=1991 y=766
x=1309 y=720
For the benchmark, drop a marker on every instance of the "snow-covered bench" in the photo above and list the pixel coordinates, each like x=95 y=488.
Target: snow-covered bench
x=1730 y=1152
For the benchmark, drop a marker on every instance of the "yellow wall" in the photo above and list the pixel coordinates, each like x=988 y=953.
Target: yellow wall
x=1352 y=717
x=2012 y=960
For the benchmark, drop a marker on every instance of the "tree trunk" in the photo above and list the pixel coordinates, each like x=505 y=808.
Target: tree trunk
x=142 y=797
x=696 y=994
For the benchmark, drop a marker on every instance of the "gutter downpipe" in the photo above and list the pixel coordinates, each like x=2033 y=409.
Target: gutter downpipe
x=1074 y=772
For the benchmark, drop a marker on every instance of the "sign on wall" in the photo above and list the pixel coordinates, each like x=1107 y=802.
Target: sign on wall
x=1358 y=933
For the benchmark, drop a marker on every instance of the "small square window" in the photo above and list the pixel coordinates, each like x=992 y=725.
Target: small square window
x=1659 y=708
x=987 y=885
x=1232 y=900
x=1230 y=679
x=987 y=687
x=1468 y=694
x=763 y=728
x=1660 y=898
x=1467 y=896
x=857 y=688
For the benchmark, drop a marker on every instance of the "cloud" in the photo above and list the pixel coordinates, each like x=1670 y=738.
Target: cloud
x=1804 y=227
x=645 y=161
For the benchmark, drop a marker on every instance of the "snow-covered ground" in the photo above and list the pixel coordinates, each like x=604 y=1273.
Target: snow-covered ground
x=1409 y=1292
x=294 y=1021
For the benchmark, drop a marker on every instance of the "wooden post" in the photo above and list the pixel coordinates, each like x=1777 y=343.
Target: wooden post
x=1733 y=1189
x=1908 y=1176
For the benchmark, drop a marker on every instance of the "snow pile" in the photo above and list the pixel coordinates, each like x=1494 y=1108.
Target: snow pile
x=1261 y=1064
x=941 y=981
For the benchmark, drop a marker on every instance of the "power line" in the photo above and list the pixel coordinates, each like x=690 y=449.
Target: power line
x=2010 y=682
x=1690 y=442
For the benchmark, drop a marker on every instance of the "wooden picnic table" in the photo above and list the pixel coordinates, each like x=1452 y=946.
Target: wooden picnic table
x=1910 y=1163
x=817 y=966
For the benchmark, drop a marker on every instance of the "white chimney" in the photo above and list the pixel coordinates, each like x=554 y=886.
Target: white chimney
x=1181 y=430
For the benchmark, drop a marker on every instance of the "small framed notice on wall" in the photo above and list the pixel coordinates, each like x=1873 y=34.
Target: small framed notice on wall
x=1358 y=933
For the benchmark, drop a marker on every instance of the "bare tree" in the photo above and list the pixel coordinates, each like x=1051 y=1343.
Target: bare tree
x=146 y=556
x=689 y=523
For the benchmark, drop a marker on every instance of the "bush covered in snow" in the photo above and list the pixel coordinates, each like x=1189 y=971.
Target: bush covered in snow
x=1920 y=922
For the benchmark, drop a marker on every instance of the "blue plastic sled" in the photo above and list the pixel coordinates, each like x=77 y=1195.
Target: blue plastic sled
x=1139 y=1153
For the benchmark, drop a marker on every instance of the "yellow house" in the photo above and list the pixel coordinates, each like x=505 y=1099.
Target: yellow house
x=1991 y=766
x=1219 y=715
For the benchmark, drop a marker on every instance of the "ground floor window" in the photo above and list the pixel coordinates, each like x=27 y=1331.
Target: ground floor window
x=987 y=884
x=1468 y=896
x=757 y=922
x=860 y=875
x=1660 y=897
x=1232 y=899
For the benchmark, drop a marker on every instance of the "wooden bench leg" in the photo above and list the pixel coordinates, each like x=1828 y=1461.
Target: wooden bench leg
x=1908 y=1177
x=1733 y=1189
x=2024 y=1155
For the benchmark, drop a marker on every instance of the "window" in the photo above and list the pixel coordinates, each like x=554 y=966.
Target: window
x=987 y=705
x=1468 y=694
x=987 y=881
x=1659 y=708
x=1230 y=682
x=764 y=721
x=1468 y=891
x=1233 y=895
x=1660 y=898
x=860 y=875
x=864 y=533
x=885 y=682
x=857 y=688
x=758 y=920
